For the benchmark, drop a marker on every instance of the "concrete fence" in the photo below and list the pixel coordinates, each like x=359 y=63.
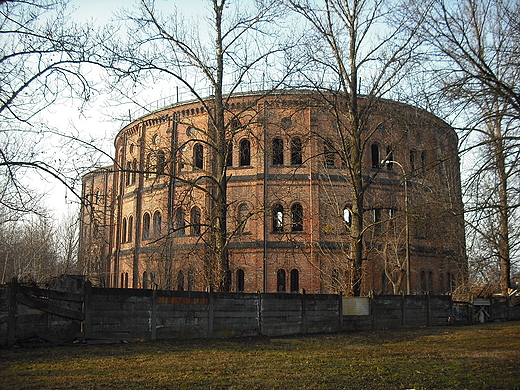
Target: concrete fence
x=104 y=314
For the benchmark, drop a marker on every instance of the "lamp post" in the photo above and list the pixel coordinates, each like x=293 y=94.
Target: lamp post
x=406 y=228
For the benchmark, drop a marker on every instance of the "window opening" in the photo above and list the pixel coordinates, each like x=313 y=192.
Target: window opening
x=191 y=279
x=161 y=163
x=297 y=217
x=145 y=280
x=146 y=226
x=128 y=173
x=280 y=280
x=347 y=217
x=296 y=151
x=335 y=280
x=328 y=151
x=413 y=159
x=180 y=224
x=245 y=153
x=198 y=156
x=180 y=281
x=277 y=151
x=130 y=228
x=195 y=221
x=277 y=218
x=123 y=233
x=157 y=223
x=240 y=280
x=295 y=280
x=229 y=154
x=243 y=211
x=376 y=158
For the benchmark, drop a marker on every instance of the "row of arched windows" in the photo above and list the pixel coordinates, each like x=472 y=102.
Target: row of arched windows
x=278 y=216
x=281 y=280
x=244 y=155
x=296 y=150
x=194 y=221
x=150 y=228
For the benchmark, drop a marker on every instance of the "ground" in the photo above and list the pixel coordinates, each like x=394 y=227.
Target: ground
x=470 y=357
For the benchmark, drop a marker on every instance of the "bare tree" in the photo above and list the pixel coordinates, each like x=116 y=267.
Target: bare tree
x=40 y=65
x=355 y=50
x=234 y=52
x=475 y=44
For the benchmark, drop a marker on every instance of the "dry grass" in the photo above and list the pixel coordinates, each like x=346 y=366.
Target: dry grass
x=473 y=357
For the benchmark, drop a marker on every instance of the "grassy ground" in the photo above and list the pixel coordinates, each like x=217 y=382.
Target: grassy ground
x=472 y=357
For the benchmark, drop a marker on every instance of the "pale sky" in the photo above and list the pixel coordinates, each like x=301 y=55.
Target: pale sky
x=67 y=118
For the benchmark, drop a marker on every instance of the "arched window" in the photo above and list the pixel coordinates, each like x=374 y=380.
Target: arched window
x=280 y=280
x=180 y=223
x=146 y=226
x=347 y=217
x=413 y=159
x=450 y=282
x=423 y=282
x=295 y=280
x=297 y=217
x=124 y=280
x=134 y=171
x=229 y=154
x=180 y=281
x=157 y=220
x=191 y=279
x=243 y=213
x=376 y=158
x=195 y=221
x=277 y=151
x=198 y=156
x=145 y=280
x=161 y=163
x=128 y=173
x=335 y=280
x=277 y=218
x=296 y=151
x=123 y=231
x=378 y=217
x=384 y=283
x=245 y=152
x=130 y=228
x=328 y=152
x=430 y=281
x=150 y=164
x=240 y=280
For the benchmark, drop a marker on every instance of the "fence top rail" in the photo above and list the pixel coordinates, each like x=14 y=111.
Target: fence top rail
x=50 y=294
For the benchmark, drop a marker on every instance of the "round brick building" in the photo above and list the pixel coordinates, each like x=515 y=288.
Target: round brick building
x=288 y=199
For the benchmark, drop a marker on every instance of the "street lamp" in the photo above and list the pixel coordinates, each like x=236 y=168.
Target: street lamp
x=407 y=231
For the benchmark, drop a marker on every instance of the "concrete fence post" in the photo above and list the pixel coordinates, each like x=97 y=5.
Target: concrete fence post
x=403 y=316
x=153 y=316
x=12 y=310
x=340 y=311
x=211 y=309
x=303 y=329
x=259 y=313
x=87 y=310
x=373 y=311
x=428 y=310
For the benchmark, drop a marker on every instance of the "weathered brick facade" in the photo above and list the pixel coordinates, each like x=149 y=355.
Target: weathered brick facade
x=146 y=223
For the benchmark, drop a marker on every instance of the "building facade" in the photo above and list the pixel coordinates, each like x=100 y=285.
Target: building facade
x=147 y=218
